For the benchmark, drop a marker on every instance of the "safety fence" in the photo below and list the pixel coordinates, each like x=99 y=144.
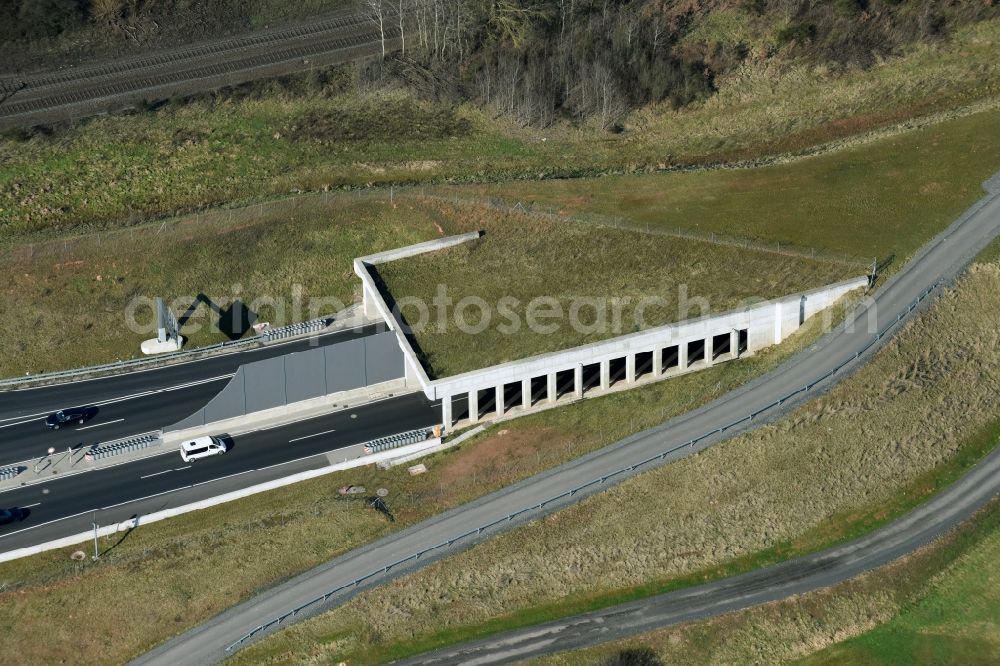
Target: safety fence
x=599 y=481
x=8 y=473
x=395 y=441
x=292 y=330
x=127 y=445
x=269 y=335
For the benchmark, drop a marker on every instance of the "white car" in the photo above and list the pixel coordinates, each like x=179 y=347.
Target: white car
x=202 y=447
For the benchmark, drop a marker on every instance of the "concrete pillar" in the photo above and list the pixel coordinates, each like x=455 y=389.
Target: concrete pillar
x=446 y=419
x=578 y=381
x=526 y=393
x=734 y=343
x=368 y=302
x=658 y=362
x=605 y=374
x=499 y=400
x=630 y=369
x=682 y=356
x=474 y=406
x=709 y=350
x=550 y=384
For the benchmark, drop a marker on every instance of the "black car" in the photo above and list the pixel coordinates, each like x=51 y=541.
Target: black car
x=69 y=416
x=9 y=516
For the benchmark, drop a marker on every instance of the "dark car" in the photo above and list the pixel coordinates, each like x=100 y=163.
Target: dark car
x=9 y=516
x=67 y=417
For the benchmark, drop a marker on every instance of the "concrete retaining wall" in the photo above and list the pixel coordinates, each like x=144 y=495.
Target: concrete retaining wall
x=748 y=329
x=314 y=374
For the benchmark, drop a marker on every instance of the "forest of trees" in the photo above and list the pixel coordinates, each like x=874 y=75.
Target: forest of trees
x=538 y=60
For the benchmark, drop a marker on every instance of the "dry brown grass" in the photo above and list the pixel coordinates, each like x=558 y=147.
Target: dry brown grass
x=845 y=454
x=936 y=606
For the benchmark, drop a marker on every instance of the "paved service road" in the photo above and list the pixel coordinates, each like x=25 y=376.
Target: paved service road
x=129 y=404
x=804 y=574
x=940 y=260
x=67 y=505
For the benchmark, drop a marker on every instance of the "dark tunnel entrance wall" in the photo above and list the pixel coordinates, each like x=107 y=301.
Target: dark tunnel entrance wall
x=283 y=380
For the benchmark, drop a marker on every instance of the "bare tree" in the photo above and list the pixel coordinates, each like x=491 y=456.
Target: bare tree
x=402 y=35
x=376 y=13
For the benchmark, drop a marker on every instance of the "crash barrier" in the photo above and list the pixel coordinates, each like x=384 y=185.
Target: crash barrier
x=8 y=473
x=164 y=359
x=293 y=330
x=127 y=445
x=596 y=482
x=395 y=441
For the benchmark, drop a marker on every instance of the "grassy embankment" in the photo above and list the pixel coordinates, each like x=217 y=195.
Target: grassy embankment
x=954 y=617
x=122 y=170
x=868 y=199
x=939 y=605
x=886 y=197
x=903 y=426
x=601 y=282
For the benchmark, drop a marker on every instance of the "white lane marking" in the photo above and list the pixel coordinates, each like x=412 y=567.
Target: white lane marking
x=177 y=469
x=48 y=522
x=30 y=420
x=98 y=425
x=31 y=417
x=196 y=360
x=155 y=474
x=28 y=506
x=104 y=508
x=289 y=462
x=316 y=434
x=165 y=492
x=228 y=476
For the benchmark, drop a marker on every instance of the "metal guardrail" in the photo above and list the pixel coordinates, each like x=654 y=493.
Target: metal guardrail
x=395 y=441
x=292 y=330
x=127 y=445
x=598 y=481
x=121 y=366
x=8 y=473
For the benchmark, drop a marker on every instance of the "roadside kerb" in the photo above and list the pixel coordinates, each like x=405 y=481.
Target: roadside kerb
x=569 y=493
x=132 y=523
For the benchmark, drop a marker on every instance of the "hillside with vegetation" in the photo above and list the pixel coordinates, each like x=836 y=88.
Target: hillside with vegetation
x=533 y=60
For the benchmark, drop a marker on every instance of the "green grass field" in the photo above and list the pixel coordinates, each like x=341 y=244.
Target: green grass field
x=882 y=198
x=616 y=281
x=289 y=263
x=954 y=619
x=121 y=170
x=901 y=427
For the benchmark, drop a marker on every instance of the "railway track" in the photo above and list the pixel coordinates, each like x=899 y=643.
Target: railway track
x=106 y=86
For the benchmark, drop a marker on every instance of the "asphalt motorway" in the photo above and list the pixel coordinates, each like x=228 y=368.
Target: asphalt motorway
x=798 y=576
x=938 y=262
x=70 y=504
x=132 y=403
